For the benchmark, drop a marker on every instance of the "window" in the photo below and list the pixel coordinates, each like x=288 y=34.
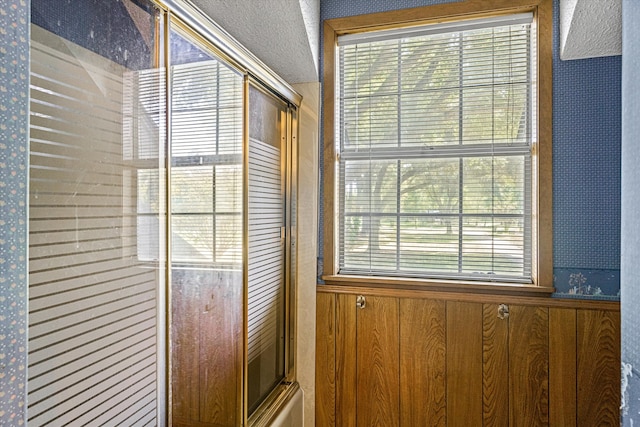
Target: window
x=206 y=153
x=440 y=149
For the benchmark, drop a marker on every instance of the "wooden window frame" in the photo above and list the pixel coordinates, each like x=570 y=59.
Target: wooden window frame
x=542 y=209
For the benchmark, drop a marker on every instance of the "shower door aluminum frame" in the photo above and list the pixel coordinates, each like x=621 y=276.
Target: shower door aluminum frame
x=257 y=75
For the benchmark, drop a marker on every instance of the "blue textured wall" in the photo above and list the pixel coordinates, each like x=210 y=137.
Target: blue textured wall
x=587 y=125
x=586 y=161
x=14 y=107
x=630 y=267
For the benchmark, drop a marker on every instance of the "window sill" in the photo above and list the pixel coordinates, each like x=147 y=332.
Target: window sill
x=445 y=286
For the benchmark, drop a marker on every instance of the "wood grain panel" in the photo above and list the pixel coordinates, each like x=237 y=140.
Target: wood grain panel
x=220 y=329
x=495 y=367
x=562 y=367
x=464 y=364
x=378 y=363
x=528 y=365
x=598 y=340
x=329 y=152
x=185 y=351
x=546 y=350
x=405 y=288
x=325 y=360
x=422 y=363
x=346 y=365
x=185 y=422
x=544 y=223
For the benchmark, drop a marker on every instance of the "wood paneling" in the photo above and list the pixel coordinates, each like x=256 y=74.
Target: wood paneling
x=346 y=365
x=456 y=363
x=205 y=345
x=325 y=360
x=495 y=367
x=220 y=325
x=464 y=364
x=378 y=363
x=598 y=338
x=528 y=365
x=185 y=422
x=185 y=352
x=329 y=152
x=422 y=363
x=562 y=367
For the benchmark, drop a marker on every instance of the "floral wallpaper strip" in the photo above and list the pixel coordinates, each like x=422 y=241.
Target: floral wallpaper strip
x=14 y=107
x=587 y=284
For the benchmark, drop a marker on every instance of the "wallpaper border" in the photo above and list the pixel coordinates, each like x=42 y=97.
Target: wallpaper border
x=14 y=157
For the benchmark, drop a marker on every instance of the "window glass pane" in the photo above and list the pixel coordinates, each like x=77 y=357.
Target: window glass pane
x=370 y=69
x=206 y=147
x=494 y=185
x=497 y=114
x=371 y=122
x=372 y=186
x=370 y=243
x=430 y=187
x=431 y=118
x=493 y=246
x=150 y=203
x=431 y=62
x=192 y=238
x=228 y=231
x=429 y=244
x=228 y=188
x=192 y=190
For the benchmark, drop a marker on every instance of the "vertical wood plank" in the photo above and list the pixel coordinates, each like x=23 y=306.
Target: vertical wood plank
x=378 y=363
x=422 y=363
x=529 y=365
x=464 y=364
x=562 y=367
x=495 y=367
x=329 y=208
x=598 y=367
x=325 y=387
x=346 y=365
x=185 y=351
x=220 y=329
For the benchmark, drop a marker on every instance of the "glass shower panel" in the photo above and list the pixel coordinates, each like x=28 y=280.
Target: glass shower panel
x=206 y=200
x=267 y=227
x=97 y=215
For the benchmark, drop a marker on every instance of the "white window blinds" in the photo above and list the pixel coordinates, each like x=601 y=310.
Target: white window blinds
x=206 y=173
x=435 y=129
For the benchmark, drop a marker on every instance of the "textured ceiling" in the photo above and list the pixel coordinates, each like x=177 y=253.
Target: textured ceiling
x=284 y=34
x=590 y=28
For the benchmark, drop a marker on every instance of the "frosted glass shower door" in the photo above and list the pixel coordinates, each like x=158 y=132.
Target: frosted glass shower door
x=267 y=242
x=96 y=214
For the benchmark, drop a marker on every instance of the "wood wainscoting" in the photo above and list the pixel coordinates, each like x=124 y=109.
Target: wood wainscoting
x=421 y=358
